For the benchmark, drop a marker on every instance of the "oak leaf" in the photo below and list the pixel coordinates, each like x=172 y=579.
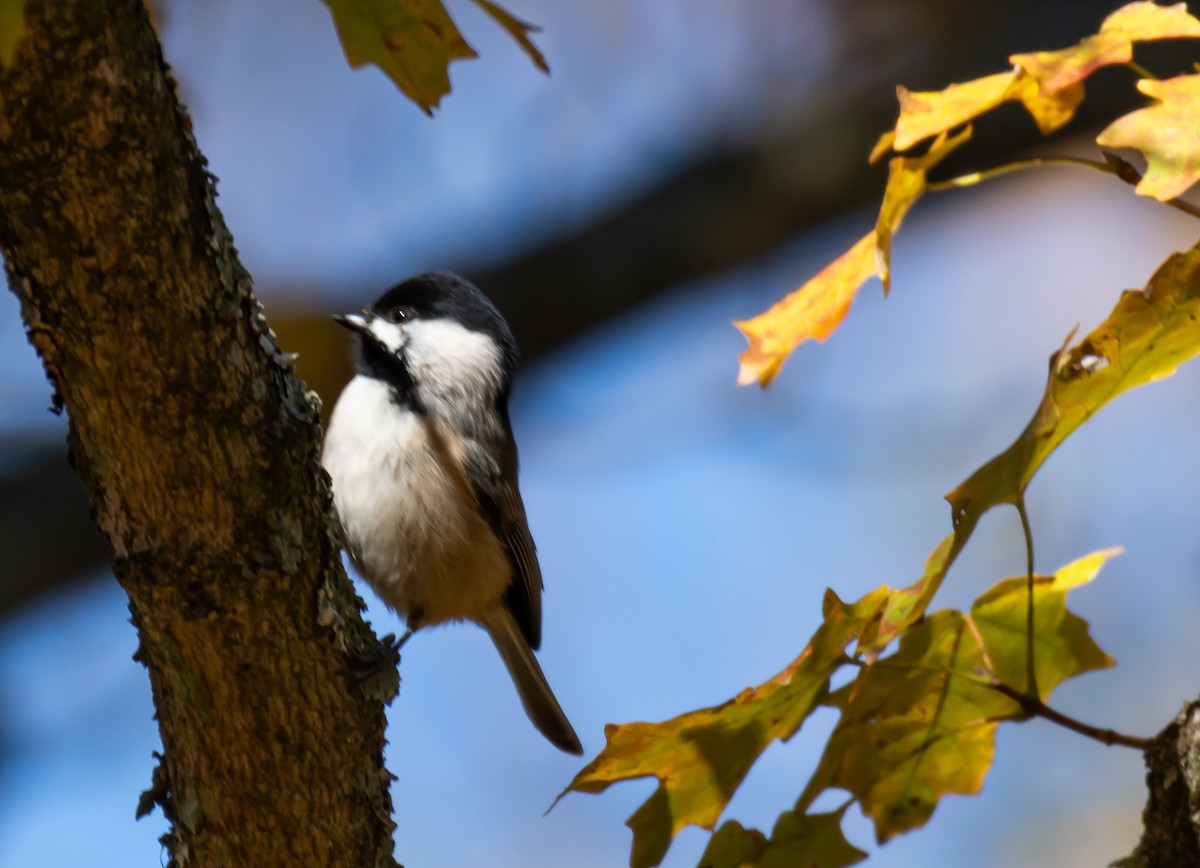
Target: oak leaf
x=920 y=723
x=701 y=757
x=415 y=41
x=816 y=309
x=1167 y=133
x=810 y=840
x=1147 y=335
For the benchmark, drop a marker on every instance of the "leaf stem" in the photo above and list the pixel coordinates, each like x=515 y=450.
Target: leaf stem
x=1112 y=165
x=1139 y=70
x=973 y=178
x=1034 y=706
x=1031 y=686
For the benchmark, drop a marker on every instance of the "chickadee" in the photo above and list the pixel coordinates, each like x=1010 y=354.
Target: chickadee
x=424 y=469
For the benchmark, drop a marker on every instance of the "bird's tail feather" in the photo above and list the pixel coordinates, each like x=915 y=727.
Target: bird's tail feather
x=536 y=696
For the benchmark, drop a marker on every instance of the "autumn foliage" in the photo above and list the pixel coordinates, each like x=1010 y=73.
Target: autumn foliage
x=922 y=692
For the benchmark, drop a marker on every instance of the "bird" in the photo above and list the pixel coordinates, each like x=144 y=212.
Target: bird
x=423 y=464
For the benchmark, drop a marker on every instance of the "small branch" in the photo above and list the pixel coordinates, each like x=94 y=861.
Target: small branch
x=1112 y=165
x=1035 y=707
x=1030 y=667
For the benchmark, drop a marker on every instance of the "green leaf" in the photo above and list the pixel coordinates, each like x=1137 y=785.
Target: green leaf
x=12 y=25
x=701 y=757
x=809 y=840
x=1147 y=335
x=915 y=726
x=413 y=41
x=1063 y=648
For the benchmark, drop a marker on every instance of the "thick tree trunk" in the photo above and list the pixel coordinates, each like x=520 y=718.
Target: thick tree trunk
x=199 y=448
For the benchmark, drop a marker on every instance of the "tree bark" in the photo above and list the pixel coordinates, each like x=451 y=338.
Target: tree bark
x=1171 y=820
x=199 y=448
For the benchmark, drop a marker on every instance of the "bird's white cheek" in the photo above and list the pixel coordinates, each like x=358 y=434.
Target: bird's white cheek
x=387 y=333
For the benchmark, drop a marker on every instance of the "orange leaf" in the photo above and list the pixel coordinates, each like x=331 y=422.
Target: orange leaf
x=813 y=311
x=1167 y=133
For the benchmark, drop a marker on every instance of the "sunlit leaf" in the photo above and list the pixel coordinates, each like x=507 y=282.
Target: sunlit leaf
x=919 y=724
x=816 y=309
x=12 y=25
x=929 y=113
x=915 y=726
x=1063 y=648
x=1147 y=335
x=907 y=178
x=1168 y=133
x=1135 y=22
x=808 y=840
x=904 y=607
x=518 y=29
x=1048 y=83
x=413 y=41
x=701 y=757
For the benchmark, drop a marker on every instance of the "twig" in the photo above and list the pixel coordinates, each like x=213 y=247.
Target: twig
x=1034 y=706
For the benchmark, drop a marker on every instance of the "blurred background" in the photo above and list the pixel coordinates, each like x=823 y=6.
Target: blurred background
x=685 y=164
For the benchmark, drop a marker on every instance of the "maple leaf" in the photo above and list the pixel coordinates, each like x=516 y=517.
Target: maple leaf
x=1147 y=335
x=701 y=757
x=415 y=41
x=816 y=309
x=1166 y=133
x=915 y=726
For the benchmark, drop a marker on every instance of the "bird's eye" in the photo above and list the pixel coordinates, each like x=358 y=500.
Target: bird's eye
x=400 y=313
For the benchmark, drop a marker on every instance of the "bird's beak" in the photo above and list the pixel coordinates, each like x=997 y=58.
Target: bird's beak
x=353 y=321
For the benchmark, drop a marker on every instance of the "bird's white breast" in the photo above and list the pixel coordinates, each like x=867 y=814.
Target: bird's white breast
x=411 y=522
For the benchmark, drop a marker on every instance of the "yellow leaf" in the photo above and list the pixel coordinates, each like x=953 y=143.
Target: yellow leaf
x=1048 y=83
x=906 y=183
x=413 y=41
x=928 y=113
x=915 y=726
x=701 y=757
x=1147 y=335
x=1049 y=110
x=814 y=311
x=1143 y=22
x=1063 y=648
x=1054 y=70
x=1167 y=133
x=1135 y=22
